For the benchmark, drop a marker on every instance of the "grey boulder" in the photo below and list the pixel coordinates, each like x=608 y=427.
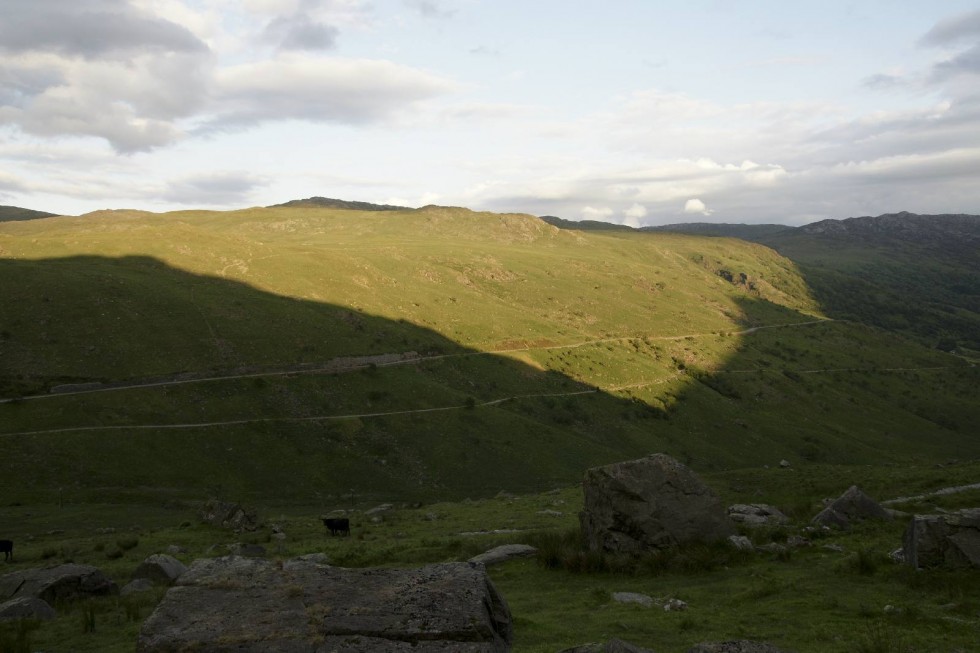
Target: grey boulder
x=250 y=605
x=26 y=608
x=161 y=569
x=950 y=540
x=650 y=503
x=853 y=505
x=54 y=584
x=757 y=514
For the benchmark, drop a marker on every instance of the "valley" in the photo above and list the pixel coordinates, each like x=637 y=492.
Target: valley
x=305 y=359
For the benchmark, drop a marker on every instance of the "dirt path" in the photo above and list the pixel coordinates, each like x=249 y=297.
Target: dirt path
x=355 y=363
x=938 y=493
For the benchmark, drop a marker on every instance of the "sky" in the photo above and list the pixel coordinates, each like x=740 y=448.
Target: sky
x=640 y=112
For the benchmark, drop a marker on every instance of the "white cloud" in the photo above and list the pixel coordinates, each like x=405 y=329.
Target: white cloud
x=696 y=206
x=591 y=213
x=633 y=215
x=213 y=188
x=290 y=87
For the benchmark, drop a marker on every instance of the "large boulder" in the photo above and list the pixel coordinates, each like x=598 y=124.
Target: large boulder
x=160 y=568
x=56 y=584
x=251 y=605
x=26 y=608
x=950 y=540
x=650 y=503
x=230 y=515
x=853 y=505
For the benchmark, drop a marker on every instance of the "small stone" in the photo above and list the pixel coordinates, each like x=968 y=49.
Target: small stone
x=136 y=586
x=784 y=463
x=633 y=597
x=741 y=542
x=674 y=605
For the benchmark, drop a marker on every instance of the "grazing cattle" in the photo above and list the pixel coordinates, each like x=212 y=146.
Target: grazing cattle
x=338 y=525
x=7 y=548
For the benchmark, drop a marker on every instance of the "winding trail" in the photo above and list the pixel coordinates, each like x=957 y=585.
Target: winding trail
x=351 y=364
x=355 y=363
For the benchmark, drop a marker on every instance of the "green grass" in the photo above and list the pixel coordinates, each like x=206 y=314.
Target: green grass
x=816 y=600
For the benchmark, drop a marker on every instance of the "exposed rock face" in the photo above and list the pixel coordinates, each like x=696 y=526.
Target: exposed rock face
x=61 y=583
x=160 y=568
x=251 y=605
x=503 y=553
x=230 y=515
x=757 y=514
x=650 y=503
x=26 y=608
x=951 y=540
x=853 y=505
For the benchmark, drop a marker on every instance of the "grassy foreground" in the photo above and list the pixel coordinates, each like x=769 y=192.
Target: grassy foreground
x=828 y=597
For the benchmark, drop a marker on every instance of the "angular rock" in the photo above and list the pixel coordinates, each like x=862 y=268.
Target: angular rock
x=503 y=553
x=384 y=507
x=160 y=568
x=734 y=646
x=250 y=605
x=756 y=514
x=650 y=503
x=26 y=608
x=853 y=505
x=741 y=542
x=54 y=584
x=950 y=540
x=229 y=515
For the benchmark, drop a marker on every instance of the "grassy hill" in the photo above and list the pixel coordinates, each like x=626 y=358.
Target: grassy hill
x=912 y=274
x=304 y=359
x=530 y=353
x=11 y=213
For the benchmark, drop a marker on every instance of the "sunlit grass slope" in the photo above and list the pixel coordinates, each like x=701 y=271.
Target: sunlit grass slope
x=535 y=352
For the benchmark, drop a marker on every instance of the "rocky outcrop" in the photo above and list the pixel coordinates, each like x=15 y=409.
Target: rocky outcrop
x=951 y=540
x=504 y=553
x=26 y=608
x=229 y=515
x=251 y=605
x=757 y=514
x=650 y=503
x=161 y=569
x=853 y=505
x=55 y=584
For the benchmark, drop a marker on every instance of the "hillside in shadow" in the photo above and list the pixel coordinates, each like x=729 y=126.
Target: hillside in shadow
x=235 y=395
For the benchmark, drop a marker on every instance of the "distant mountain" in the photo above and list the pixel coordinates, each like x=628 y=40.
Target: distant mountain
x=12 y=213
x=955 y=234
x=743 y=231
x=584 y=225
x=914 y=274
x=331 y=203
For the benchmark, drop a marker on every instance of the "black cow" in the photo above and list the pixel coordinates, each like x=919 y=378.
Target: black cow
x=338 y=525
x=7 y=548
